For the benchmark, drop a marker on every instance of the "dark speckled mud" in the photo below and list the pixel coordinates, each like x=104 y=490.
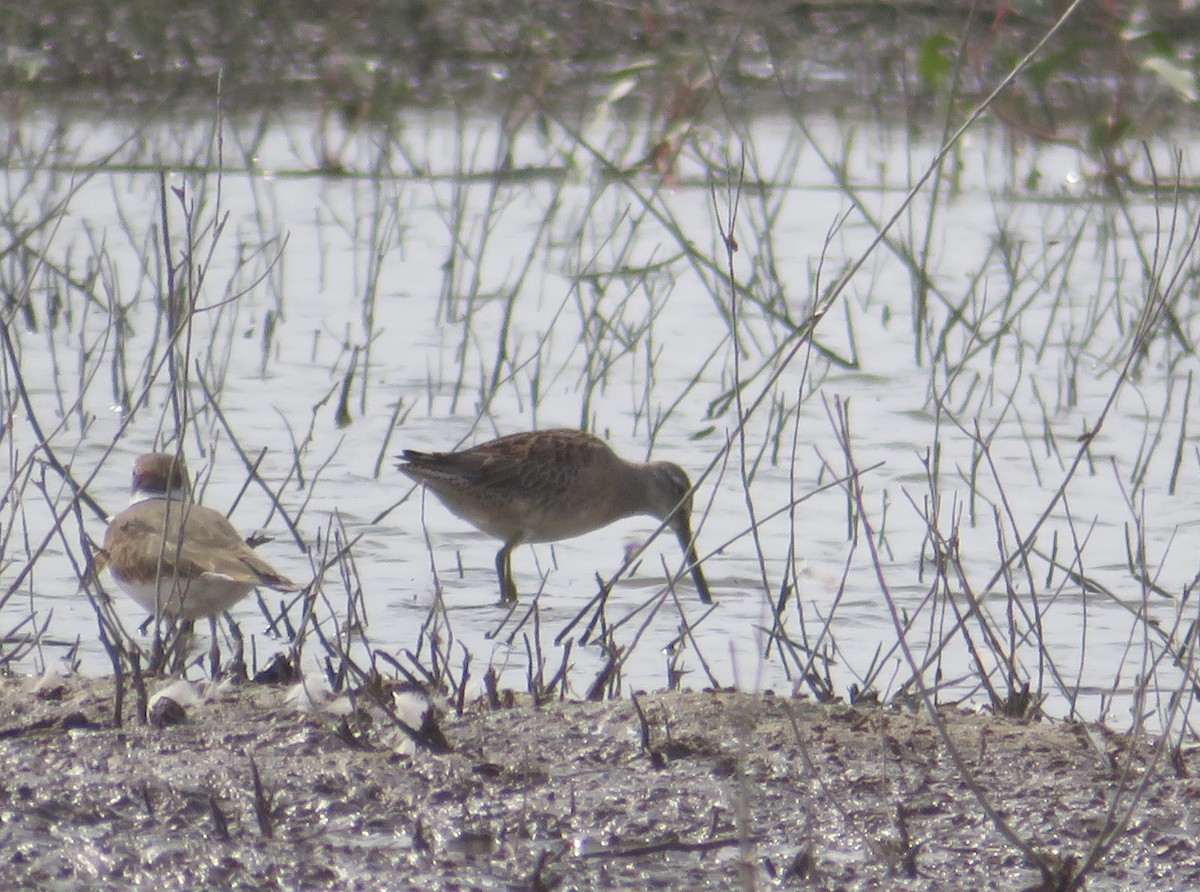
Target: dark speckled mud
x=566 y=795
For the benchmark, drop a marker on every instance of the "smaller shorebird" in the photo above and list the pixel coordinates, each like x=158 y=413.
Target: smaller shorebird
x=548 y=485
x=177 y=558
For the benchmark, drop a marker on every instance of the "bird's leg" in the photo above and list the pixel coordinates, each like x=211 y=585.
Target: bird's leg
x=214 y=649
x=508 y=588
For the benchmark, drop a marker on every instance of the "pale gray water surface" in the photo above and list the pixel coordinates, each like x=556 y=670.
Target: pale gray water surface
x=606 y=320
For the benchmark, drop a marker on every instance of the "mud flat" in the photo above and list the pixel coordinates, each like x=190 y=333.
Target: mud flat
x=709 y=790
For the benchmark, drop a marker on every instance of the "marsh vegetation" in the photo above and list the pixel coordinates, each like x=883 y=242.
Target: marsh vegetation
x=920 y=326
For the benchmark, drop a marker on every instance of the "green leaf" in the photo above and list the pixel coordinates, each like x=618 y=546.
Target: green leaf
x=1105 y=134
x=1154 y=42
x=933 y=60
x=1174 y=75
x=1040 y=71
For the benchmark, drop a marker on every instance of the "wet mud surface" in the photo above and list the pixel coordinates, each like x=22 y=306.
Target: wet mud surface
x=713 y=790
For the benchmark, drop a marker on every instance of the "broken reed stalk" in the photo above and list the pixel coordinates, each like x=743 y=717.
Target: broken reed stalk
x=922 y=691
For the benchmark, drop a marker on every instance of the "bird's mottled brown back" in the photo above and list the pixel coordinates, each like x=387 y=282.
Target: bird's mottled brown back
x=548 y=463
x=524 y=486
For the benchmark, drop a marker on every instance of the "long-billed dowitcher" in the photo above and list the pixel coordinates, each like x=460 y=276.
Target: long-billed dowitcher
x=177 y=558
x=548 y=485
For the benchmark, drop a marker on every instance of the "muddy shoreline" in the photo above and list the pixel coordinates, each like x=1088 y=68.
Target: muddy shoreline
x=713 y=790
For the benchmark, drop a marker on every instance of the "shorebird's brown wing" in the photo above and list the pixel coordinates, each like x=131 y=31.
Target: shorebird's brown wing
x=212 y=546
x=188 y=541
x=266 y=575
x=541 y=461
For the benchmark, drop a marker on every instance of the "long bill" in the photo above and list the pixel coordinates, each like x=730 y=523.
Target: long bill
x=684 y=534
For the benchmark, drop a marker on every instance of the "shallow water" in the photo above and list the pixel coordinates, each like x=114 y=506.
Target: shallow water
x=606 y=320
